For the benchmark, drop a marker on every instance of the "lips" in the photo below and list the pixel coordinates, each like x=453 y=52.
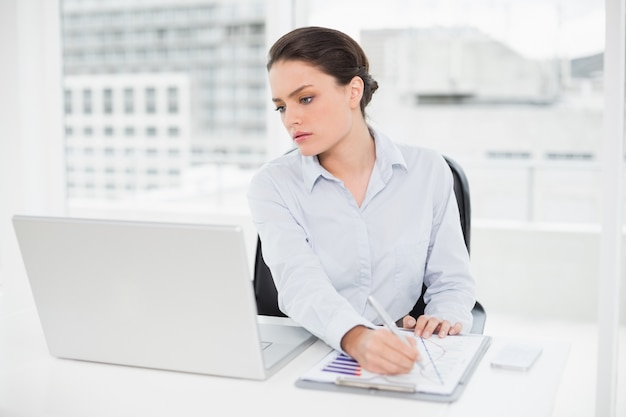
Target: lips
x=300 y=136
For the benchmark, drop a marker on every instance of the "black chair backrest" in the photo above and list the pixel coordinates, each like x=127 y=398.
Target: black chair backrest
x=265 y=290
x=462 y=194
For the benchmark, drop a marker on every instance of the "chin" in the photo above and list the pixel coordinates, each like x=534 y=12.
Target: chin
x=307 y=150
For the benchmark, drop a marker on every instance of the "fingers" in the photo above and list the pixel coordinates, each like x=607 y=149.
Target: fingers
x=456 y=329
x=429 y=325
x=391 y=355
x=409 y=322
x=383 y=352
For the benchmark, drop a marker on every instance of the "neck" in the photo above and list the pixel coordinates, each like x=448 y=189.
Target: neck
x=355 y=154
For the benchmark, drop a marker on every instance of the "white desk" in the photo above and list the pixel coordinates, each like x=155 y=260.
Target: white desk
x=34 y=384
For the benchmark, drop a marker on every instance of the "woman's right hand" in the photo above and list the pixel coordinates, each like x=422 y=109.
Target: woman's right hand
x=380 y=351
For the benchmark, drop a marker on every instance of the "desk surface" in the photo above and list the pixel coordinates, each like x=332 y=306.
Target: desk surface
x=35 y=384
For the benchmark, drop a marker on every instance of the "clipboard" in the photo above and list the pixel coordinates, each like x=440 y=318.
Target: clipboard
x=457 y=358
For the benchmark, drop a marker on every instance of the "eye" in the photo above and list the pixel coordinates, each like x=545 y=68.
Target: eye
x=280 y=109
x=306 y=100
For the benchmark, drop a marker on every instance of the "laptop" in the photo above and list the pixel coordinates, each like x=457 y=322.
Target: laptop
x=168 y=296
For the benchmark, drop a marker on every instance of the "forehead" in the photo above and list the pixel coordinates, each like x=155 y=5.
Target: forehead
x=287 y=76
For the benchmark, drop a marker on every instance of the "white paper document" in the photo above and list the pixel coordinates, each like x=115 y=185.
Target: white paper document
x=446 y=362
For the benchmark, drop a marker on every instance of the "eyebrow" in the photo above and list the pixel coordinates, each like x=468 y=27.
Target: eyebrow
x=294 y=92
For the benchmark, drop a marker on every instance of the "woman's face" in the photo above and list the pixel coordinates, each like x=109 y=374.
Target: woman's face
x=316 y=111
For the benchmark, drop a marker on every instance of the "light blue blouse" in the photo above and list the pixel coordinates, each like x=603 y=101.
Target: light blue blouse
x=327 y=254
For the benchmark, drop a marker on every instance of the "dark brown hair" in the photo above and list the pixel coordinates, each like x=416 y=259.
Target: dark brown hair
x=331 y=51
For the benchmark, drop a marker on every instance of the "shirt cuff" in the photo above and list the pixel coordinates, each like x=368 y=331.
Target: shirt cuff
x=339 y=326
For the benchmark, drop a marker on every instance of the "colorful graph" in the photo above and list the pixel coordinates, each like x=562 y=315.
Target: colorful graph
x=343 y=364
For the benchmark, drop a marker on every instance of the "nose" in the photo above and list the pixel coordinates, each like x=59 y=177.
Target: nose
x=292 y=117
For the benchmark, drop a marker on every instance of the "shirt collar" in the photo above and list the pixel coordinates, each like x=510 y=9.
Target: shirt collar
x=388 y=155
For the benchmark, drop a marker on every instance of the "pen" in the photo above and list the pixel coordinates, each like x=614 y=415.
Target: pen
x=389 y=322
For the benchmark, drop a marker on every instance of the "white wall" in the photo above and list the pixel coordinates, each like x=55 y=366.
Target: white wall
x=8 y=120
x=539 y=271
x=31 y=145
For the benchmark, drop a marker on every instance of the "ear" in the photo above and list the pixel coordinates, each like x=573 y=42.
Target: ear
x=356 y=92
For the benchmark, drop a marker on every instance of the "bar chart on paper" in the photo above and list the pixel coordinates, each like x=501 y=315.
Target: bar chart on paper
x=343 y=364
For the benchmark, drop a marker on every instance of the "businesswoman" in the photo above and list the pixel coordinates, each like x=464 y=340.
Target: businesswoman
x=352 y=214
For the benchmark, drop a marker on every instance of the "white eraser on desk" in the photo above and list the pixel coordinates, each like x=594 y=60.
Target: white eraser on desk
x=516 y=356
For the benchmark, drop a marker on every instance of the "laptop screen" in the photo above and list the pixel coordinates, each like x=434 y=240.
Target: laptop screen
x=159 y=295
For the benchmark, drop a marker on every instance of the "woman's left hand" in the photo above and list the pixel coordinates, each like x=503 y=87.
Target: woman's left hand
x=425 y=326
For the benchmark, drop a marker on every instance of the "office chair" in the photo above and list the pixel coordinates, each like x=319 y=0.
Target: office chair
x=267 y=296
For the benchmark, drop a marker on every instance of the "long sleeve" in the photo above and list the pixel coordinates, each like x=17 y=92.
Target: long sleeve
x=327 y=254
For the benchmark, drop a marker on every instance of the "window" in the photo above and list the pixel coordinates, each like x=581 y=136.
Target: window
x=150 y=98
x=107 y=101
x=173 y=131
x=87 y=105
x=129 y=103
x=67 y=100
x=172 y=100
x=157 y=68
x=151 y=131
x=517 y=104
x=483 y=76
